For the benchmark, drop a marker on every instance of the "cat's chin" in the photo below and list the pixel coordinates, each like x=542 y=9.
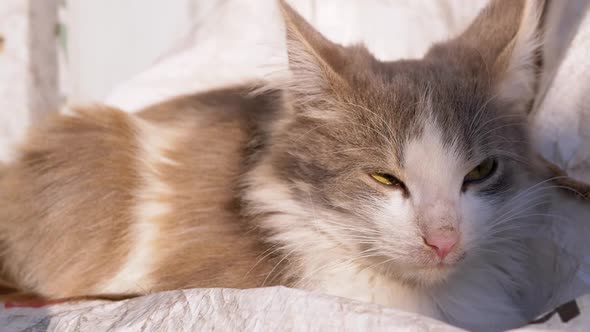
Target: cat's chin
x=421 y=275
x=432 y=275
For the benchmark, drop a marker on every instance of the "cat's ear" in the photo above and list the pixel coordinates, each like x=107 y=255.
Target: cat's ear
x=315 y=62
x=507 y=34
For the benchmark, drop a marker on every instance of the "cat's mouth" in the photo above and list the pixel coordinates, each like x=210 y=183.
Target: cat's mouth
x=438 y=266
x=425 y=276
x=421 y=269
x=429 y=274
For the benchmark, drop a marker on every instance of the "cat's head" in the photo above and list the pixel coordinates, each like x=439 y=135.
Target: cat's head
x=412 y=165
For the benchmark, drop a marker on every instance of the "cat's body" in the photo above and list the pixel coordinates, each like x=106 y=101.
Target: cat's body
x=154 y=194
x=254 y=186
x=179 y=224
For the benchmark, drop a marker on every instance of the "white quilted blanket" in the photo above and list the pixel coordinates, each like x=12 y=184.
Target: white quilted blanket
x=261 y=309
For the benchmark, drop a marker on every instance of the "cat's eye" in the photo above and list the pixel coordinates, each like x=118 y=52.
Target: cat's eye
x=481 y=172
x=386 y=179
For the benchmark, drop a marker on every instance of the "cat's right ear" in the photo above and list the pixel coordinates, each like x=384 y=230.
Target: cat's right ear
x=507 y=35
x=315 y=62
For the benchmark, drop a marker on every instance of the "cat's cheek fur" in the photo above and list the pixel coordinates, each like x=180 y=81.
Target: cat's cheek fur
x=391 y=213
x=393 y=219
x=478 y=215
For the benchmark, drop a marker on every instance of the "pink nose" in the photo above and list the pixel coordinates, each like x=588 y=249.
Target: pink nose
x=442 y=242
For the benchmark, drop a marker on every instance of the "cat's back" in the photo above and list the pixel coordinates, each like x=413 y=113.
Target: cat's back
x=130 y=203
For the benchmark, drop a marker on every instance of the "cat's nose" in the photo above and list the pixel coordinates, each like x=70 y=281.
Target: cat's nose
x=442 y=242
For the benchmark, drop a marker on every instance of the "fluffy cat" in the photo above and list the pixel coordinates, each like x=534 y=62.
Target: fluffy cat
x=410 y=184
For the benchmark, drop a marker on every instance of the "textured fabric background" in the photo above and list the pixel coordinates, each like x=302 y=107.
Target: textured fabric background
x=261 y=309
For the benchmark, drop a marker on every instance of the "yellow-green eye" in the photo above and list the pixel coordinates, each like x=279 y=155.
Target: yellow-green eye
x=386 y=179
x=481 y=172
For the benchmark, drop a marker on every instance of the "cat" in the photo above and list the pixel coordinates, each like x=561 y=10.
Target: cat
x=411 y=184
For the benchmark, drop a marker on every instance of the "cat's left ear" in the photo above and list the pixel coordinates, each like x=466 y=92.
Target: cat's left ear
x=507 y=34
x=315 y=62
